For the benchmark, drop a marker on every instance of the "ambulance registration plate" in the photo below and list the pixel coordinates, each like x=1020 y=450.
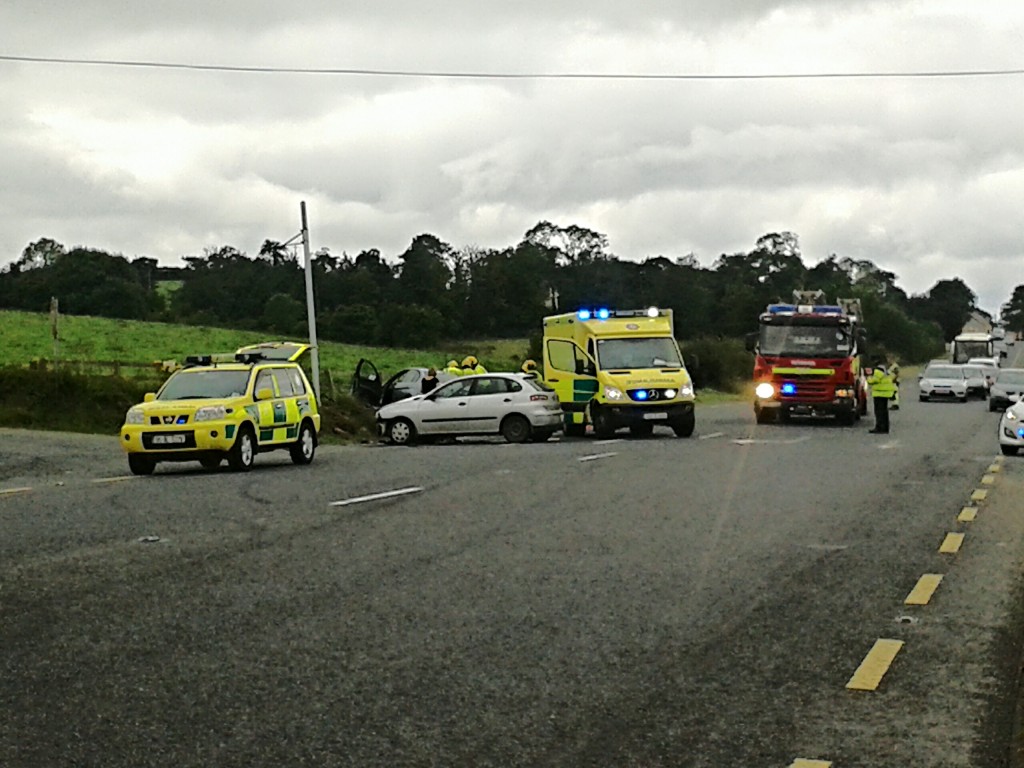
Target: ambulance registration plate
x=655 y=416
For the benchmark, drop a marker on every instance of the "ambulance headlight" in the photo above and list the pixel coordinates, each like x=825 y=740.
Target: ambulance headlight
x=764 y=390
x=669 y=394
x=211 y=413
x=652 y=311
x=686 y=390
x=134 y=416
x=612 y=393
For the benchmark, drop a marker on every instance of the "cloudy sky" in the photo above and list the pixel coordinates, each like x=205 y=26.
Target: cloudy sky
x=924 y=176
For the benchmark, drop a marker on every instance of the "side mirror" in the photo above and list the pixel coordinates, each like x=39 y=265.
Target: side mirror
x=585 y=368
x=750 y=341
x=1002 y=353
x=265 y=394
x=149 y=397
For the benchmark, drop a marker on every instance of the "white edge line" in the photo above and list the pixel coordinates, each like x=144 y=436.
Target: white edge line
x=12 y=491
x=609 y=441
x=375 y=496
x=594 y=456
x=713 y=434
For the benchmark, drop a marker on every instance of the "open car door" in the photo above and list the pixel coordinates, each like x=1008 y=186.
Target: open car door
x=366 y=384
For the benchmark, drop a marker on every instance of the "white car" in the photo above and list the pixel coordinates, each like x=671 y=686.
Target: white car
x=516 y=406
x=979 y=379
x=943 y=380
x=1011 y=429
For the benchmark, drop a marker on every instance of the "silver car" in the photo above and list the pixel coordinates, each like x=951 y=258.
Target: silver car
x=514 y=405
x=1011 y=429
x=943 y=381
x=1009 y=383
x=978 y=380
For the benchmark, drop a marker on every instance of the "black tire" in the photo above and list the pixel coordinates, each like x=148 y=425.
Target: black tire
x=541 y=436
x=1008 y=450
x=242 y=455
x=141 y=464
x=991 y=407
x=641 y=430
x=845 y=418
x=962 y=399
x=401 y=432
x=304 y=449
x=516 y=428
x=603 y=428
x=573 y=429
x=210 y=462
x=683 y=426
x=764 y=416
x=923 y=398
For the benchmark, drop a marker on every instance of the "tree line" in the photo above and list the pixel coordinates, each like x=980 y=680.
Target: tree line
x=436 y=292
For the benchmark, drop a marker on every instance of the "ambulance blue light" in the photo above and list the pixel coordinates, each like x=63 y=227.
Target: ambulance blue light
x=603 y=313
x=583 y=314
x=640 y=394
x=789 y=388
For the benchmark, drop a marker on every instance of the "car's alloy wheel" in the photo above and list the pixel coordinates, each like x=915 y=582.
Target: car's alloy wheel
x=515 y=428
x=243 y=452
x=305 y=447
x=401 y=432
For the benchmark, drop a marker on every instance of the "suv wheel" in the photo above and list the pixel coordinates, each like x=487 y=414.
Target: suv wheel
x=303 y=449
x=243 y=452
x=141 y=464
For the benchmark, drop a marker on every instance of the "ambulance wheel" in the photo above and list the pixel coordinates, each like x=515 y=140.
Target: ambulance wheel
x=243 y=452
x=603 y=427
x=1008 y=450
x=683 y=427
x=401 y=432
x=210 y=462
x=303 y=449
x=516 y=428
x=641 y=430
x=140 y=464
x=575 y=430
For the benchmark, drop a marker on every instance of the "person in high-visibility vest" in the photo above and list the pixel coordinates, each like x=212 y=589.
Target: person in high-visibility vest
x=453 y=368
x=882 y=390
x=894 y=371
x=529 y=367
x=471 y=365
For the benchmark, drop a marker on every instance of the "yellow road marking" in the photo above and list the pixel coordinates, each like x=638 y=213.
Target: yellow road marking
x=994 y=468
x=925 y=588
x=979 y=494
x=801 y=762
x=999 y=459
x=871 y=671
x=951 y=544
x=988 y=479
x=967 y=514
x=12 y=491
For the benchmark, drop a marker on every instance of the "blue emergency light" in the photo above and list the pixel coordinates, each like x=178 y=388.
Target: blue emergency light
x=583 y=314
x=640 y=394
x=603 y=313
x=789 y=388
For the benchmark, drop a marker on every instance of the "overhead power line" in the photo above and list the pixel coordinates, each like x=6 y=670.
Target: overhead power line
x=479 y=75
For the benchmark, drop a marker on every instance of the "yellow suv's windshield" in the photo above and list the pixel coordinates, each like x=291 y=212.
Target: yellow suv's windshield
x=202 y=384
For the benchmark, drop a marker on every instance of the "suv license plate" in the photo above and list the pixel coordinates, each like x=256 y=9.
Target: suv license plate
x=654 y=416
x=168 y=439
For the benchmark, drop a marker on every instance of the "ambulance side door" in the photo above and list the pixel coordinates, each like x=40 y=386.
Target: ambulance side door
x=566 y=367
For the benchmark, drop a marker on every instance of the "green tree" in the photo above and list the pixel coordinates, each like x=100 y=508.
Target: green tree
x=1012 y=312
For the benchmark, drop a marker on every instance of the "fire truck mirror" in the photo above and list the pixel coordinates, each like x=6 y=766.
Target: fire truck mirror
x=750 y=341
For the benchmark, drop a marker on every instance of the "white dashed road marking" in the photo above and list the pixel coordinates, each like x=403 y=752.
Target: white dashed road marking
x=713 y=434
x=595 y=456
x=375 y=496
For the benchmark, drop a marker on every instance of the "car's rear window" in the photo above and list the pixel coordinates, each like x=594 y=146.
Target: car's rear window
x=1010 y=377
x=538 y=385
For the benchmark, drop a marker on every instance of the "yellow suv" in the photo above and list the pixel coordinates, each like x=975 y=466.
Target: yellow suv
x=226 y=406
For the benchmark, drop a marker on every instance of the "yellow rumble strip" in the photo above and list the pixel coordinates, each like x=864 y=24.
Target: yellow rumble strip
x=979 y=494
x=871 y=671
x=802 y=763
x=951 y=544
x=926 y=586
x=994 y=468
x=967 y=514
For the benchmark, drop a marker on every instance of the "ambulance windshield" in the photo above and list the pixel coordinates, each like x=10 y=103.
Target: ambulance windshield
x=196 y=385
x=656 y=352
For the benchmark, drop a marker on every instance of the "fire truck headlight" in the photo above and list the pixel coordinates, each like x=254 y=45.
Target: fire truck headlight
x=612 y=393
x=844 y=392
x=764 y=390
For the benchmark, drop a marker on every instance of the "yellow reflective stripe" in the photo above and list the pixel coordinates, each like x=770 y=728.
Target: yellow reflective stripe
x=805 y=371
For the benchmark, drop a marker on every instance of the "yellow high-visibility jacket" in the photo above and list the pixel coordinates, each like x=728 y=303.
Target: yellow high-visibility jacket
x=881 y=383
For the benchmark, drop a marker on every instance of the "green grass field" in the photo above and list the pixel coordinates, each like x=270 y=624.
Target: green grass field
x=27 y=337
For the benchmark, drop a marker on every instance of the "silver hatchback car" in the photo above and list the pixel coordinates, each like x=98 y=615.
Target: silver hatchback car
x=943 y=380
x=514 y=405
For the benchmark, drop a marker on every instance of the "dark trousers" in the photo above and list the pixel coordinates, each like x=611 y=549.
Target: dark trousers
x=881 y=414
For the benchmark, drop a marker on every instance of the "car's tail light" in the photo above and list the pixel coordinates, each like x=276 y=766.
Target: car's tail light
x=535 y=398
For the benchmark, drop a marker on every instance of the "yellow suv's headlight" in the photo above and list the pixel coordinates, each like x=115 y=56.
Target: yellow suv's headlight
x=211 y=413
x=134 y=416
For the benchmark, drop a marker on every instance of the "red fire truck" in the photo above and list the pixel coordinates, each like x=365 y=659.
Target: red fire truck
x=807 y=360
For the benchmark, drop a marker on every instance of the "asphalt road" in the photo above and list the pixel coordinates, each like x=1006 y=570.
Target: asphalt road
x=658 y=602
